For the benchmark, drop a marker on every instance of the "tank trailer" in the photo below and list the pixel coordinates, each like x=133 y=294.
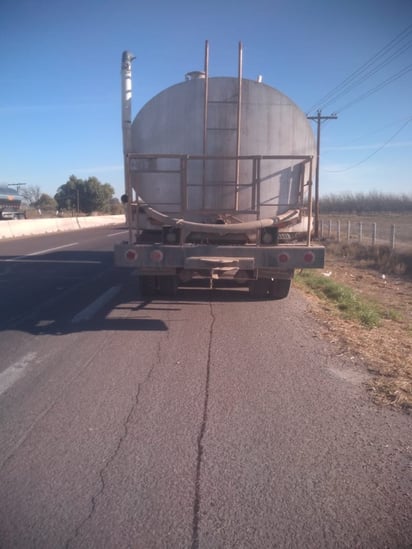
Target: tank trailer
x=218 y=185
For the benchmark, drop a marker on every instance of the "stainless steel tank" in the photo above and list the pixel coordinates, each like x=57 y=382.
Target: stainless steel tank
x=266 y=123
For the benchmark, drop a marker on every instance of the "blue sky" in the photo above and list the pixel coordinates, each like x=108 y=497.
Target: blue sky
x=60 y=79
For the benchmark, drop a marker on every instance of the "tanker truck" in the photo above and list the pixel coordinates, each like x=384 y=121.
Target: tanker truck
x=218 y=185
x=10 y=202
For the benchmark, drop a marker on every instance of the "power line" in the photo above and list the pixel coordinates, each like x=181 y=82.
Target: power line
x=360 y=74
x=378 y=87
x=367 y=75
x=374 y=152
x=368 y=133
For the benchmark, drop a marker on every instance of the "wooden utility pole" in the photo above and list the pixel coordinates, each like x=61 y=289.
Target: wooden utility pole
x=18 y=185
x=318 y=118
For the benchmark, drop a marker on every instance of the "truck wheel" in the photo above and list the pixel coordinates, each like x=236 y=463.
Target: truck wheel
x=168 y=285
x=259 y=289
x=279 y=288
x=266 y=288
x=147 y=285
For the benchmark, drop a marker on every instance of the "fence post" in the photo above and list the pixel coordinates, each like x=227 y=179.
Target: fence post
x=373 y=234
x=360 y=231
x=393 y=237
x=338 y=230
x=330 y=228
x=348 y=231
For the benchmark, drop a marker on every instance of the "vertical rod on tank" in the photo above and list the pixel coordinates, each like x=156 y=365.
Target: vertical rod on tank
x=239 y=109
x=205 y=121
x=183 y=182
x=310 y=202
x=254 y=179
x=258 y=187
x=301 y=196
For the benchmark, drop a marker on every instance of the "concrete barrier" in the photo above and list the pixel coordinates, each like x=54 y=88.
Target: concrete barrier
x=99 y=221
x=30 y=227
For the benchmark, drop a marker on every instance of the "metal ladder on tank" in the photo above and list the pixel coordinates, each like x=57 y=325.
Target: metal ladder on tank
x=235 y=130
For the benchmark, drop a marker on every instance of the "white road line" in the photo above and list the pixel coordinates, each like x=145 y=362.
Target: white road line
x=93 y=308
x=53 y=249
x=14 y=372
x=40 y=252
x=115 y=234
x=58 y=261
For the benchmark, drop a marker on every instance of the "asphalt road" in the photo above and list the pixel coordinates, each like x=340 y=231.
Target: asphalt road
x=208 y=420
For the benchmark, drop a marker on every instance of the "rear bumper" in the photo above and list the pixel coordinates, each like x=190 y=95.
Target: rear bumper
x=166 y=259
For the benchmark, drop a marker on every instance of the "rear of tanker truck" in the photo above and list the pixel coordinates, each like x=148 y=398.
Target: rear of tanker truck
x=218 y=185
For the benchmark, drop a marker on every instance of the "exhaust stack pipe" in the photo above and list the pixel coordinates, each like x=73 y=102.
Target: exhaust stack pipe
x=127 y=59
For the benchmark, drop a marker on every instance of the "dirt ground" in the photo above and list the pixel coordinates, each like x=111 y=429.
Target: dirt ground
x=385 y=351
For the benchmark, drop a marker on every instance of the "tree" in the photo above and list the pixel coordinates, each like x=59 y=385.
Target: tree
x=116 y=207
x=31 y=194
x=84 y=195
x=46 y=202
x=361 y=203
x=68 y=194
x=96 y=196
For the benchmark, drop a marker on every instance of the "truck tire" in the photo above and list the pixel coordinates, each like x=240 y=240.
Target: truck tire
x=267 y=288
x=165 y=286
x=168 y=286
x=147 y=285
x=259 y=288
x=279 y=288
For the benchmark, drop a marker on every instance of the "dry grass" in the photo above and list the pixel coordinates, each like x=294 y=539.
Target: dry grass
x=380 y=258
x=386 y=350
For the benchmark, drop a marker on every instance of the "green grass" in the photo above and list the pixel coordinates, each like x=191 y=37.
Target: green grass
x=391 y=314
x=347 y=302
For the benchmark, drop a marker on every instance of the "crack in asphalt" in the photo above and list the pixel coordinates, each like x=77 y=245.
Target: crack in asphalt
x=197 y=499
x=110 y=460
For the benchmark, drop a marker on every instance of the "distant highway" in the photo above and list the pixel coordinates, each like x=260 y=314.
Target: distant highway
x=204 y=421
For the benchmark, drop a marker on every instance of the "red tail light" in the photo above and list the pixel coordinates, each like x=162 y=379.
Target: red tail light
x=131 y=255
x=156 y=256
x=309 y=257
x=283 y=258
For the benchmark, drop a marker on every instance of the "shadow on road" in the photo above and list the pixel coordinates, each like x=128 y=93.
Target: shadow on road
x=42 y=294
